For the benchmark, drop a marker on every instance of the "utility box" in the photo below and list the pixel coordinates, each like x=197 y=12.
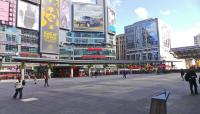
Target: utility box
x=159 y=103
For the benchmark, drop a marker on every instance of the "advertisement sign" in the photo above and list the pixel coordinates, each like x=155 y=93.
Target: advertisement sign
x=4 y=10
x=149 y=34
x=8 y=12
x=34 y=1
x=49 y=27
x=28 y=15
x=65 y=18
x=88 y=17
x=111 y=21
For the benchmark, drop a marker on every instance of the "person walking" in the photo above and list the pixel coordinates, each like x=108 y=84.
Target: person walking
x=124 y=74
x=46 y=78
x=18 y=89
x=191 y=78
x=182 y=74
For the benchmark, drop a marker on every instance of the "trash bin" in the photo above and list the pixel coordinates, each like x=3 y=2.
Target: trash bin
x=158 y=103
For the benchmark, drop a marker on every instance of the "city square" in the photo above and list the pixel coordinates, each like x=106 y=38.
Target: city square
x=110 y=94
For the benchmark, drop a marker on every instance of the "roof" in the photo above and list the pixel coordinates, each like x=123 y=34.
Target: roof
x=62 y=61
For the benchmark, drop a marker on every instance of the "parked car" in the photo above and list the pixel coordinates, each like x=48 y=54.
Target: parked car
x=88 y=21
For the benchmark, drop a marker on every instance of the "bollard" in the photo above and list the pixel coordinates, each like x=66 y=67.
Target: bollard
x=158 y=103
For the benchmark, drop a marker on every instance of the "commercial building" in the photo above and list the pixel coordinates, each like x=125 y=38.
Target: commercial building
x=65 y=29
x=92 y=32
x=197 y=40
x=148 y=39
x=120 y=47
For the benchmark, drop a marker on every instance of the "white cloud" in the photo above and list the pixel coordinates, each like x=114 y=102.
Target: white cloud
x=141 y=12
x=167 y=12
x=186 y=37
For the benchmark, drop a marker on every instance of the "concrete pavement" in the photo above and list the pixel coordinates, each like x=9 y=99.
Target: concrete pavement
x=101 y=95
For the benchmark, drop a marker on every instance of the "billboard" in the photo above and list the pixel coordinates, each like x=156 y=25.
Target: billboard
x=34 y=1
x=65 y=6
x=4 y=11
x=111 y=21
x=88 y=17
x=49 y=27
x=8 y=12
x=149 y=34
x=28 y=15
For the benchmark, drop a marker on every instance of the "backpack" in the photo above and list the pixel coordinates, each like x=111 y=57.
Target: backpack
x=187 y=78
x=23 y=82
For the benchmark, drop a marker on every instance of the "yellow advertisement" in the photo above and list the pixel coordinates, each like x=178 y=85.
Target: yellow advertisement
x=49 y=26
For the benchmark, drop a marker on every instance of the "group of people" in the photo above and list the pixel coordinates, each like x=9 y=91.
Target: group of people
x=19 y=85
x=191 y=77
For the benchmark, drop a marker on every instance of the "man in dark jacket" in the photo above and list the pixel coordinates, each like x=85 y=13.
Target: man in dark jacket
x=191 y=77
x=182 y=74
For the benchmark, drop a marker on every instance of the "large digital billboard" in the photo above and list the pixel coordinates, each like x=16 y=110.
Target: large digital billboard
x=28 y=15
x=49 y=27
x=8 y=12
x=88 y=17
x=65 y=9
x=4 y=11
x=111 y=21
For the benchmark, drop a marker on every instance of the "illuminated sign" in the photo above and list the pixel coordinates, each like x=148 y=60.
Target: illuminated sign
x=4 y=11
x=28 y=15
x=94 y=49
x=111 y=21
x=49 y=27
x=93 y=56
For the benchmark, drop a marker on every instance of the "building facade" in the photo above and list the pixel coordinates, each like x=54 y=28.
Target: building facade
x=120 y=47
x=92 y=33
x=65 y=29
x=197 y=40
x=148 y=40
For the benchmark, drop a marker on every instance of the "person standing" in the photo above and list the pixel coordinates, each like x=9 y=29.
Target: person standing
x=182 y=74
x=191 y=78
x=18 y=89
x=46 y=78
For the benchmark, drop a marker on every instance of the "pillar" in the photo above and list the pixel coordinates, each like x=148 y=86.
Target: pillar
x=72 y=72
x=49 y=72
x=89 y=72
x=22 y=70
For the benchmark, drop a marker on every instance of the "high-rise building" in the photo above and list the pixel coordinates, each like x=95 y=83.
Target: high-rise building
x=120 y=47
x=197 y=40
x=148 y=40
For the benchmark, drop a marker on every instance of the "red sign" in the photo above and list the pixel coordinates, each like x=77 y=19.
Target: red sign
x=94 y=49
x=27 y=54
x=93 y=56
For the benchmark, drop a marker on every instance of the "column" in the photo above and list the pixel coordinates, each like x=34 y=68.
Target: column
x=72 y=72
x=22 y=67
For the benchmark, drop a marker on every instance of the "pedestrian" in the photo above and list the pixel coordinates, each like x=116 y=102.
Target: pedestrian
x=46 y=78
x=191 y=78
x=18 y=89
x=182 y=74
x=35 y=79
x=124 y=74
x=95 y=74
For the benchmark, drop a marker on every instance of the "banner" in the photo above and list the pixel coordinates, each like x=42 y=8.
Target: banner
x=65 y=9
x=49 y=27
x=28 y=15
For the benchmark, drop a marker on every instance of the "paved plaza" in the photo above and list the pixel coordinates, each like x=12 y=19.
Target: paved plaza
x=101 y=95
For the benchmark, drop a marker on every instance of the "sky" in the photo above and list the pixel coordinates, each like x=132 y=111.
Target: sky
x=183 y=16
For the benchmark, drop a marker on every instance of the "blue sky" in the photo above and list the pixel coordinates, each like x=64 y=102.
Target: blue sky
x=182 y=15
